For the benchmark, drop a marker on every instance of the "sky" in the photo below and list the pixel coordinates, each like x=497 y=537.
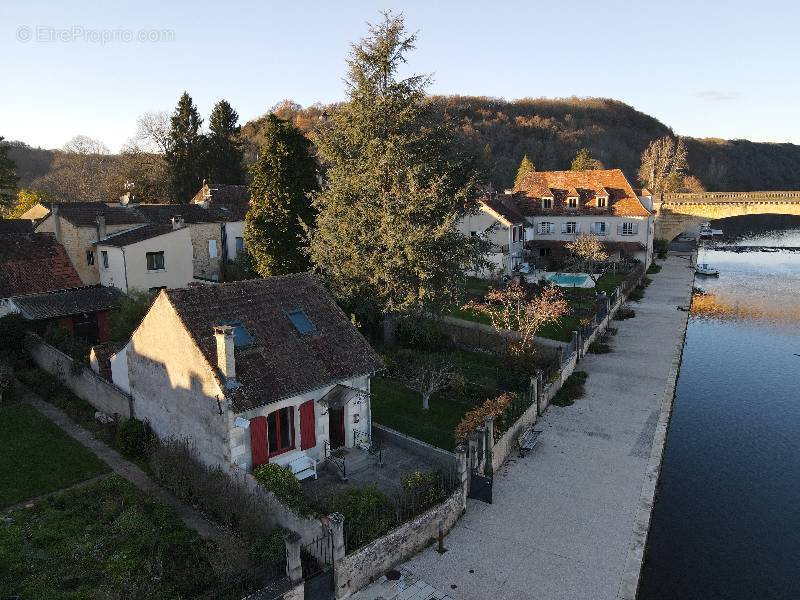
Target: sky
x=706 y=68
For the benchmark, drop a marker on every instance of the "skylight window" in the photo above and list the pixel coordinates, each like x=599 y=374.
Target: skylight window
x=301 y=322
x=241 y=337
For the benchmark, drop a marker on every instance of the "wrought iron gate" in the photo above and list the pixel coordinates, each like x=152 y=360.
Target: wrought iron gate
x=317 y=560
x=480 y=485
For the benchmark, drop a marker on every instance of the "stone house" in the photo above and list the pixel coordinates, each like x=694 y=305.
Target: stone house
x=147 y=257
x=232 y=201
x=533 y=222
x=250 y=372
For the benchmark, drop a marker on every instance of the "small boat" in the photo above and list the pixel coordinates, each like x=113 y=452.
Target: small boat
x=770 y=250
x=707 y=232
x=705 y=269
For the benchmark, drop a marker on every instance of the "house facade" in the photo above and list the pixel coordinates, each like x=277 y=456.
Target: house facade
x=233 y=201
x=147 y=257
x=548 y=209
x=250 y=372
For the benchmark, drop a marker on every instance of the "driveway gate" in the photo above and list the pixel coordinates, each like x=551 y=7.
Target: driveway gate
x=317 y=560
x=480 y=485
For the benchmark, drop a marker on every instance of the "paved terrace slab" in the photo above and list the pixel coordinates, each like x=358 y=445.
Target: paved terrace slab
x=567 y=520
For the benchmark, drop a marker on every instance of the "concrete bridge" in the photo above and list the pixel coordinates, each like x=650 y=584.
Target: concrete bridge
x=678 y=212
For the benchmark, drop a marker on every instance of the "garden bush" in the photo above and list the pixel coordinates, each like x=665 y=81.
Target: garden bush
x=661 y=247
x=135 y=439
x=624 y=312
x=423 y=489
x=572 y=389
x=282 y=482
x=493 y=407
x=74 y=347
x=654 y=268
x=422 y=334
x=368 y=514
x=598 y=347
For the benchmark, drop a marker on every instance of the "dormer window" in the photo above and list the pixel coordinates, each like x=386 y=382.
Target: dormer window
x=572 y=202
x=602 y=202
x=547 y=203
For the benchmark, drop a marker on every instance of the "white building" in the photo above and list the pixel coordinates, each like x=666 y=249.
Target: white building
x=148 y=257
x=533 y=222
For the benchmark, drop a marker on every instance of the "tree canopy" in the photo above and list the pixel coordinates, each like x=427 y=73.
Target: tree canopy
x=584 y=161
x=525 y=167
x=397 y=184
x=8 y=178
x=225 y=159
x=186 y=150
x=283 y=178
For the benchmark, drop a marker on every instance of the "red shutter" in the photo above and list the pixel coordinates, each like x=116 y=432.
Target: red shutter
x=258 y=441
x=308 y=427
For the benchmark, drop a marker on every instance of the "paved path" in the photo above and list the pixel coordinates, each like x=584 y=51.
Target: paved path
x=127 y=469
x=565 y=521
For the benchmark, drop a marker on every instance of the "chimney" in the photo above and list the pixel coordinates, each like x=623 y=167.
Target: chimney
x=56 y=221
x=225 y=357
x=101 y=227
x=177 y=222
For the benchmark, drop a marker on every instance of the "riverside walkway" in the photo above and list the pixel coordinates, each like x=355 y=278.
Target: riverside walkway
x=570 y=520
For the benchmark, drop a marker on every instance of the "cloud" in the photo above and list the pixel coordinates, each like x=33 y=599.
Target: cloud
x=717 y=96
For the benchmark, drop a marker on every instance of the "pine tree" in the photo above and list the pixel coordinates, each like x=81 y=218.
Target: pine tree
x=283 y=178
x=186 y=154
x=386 y=239
x=225 y=162
x=583 y=161
x=8 y=179
x=525 y=167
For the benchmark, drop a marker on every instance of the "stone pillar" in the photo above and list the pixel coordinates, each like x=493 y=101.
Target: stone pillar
x=340 y=581
x=489 y=442
x=294 y=568
x=463 y=475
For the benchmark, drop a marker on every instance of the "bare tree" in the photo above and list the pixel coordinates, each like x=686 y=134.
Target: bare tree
x=427 y=374
x=588 y=255
x=664 y=164
x=152 y=132
x=85 y=145
x=512 y=308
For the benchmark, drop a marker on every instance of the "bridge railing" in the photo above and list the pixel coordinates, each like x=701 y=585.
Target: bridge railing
x=707 y=197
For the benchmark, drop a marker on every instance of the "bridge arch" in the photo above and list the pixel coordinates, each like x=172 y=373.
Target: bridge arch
x=678 y=212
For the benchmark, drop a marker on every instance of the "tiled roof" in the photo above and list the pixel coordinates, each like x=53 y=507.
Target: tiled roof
x=504 y=206
x=587 y=185
x=84 y=214
x=32 y=263
x=63 y=303
x=191 y=213
x=280 y=362
x=16 y=226
x=132 y=236
x=232 y=200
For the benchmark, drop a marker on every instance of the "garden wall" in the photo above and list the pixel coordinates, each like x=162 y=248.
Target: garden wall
x=81 y=381
x=445 y=460
x=479 y=335
x=367 y=564
x=279 y=514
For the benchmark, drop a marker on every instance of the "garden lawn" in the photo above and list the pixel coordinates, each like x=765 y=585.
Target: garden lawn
x=400 y=408
x=105 y=540
x=38 y=457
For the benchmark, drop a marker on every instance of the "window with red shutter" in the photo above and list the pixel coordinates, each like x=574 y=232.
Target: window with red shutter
x=258 y=441
x=308 y=433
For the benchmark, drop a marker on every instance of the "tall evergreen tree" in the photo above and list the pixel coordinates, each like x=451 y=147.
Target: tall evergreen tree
x=8 y=179
x=386 y=239
x=186 y=153
x=583 y=161
x=225 y=162
x=283 y=178
x=525 y=167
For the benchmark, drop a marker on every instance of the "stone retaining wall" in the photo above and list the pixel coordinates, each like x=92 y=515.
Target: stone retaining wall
x=447 y=461
x=81 y=381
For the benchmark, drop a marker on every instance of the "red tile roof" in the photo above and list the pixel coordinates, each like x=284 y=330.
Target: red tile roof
x=587 y=185
x=33 y=263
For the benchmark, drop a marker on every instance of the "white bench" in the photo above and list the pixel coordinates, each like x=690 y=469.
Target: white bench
x=303 y=467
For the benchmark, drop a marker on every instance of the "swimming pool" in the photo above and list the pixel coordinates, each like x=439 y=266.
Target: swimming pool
x=568 y=279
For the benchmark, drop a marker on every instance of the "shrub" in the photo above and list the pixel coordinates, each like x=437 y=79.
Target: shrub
x=624 y=312
x=475 y=418
x=368 y=514
x=135 y=439
x=74 y=347
x=270 y=548
x=12 y=335
x=282 y=482
x=598 y=347
x=572 y=389
x=423 y=489
x=422 y=334
x=661 y=248
x=131 y=311
x=654 y=268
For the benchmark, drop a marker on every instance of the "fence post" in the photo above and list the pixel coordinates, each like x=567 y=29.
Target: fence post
x=489 y=441
x=294 y=567
x=338 y=552
x=461 y=468
x=535 y=394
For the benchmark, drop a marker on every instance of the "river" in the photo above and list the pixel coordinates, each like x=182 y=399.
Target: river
x=726 y=523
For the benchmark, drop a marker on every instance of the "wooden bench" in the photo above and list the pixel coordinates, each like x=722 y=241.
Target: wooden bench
x=303 y=467
x=528 y=440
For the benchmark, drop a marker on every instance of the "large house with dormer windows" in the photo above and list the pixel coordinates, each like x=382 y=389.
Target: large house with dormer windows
x=533 y=222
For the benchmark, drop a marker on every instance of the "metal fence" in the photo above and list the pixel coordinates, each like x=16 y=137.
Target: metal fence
x=267 y=581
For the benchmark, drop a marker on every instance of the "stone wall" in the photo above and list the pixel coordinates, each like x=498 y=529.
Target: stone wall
x=367 y=564
x=479 y=335
x=82 y=381
x=445 y=460
x=206 y=266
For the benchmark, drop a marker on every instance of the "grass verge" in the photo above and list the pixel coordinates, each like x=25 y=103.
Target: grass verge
x=572 y=389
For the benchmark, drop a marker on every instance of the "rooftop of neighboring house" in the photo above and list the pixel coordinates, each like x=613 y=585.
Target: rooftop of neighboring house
x=587 y=186
x=135 y=235
x=190 y=213
x=64 y=303
x=16 y=226
x=233 y=200
x=290 y=336
x=84 y=214
x=33 y=263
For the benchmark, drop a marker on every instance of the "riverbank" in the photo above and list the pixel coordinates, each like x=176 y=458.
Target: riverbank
x=567 y=520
